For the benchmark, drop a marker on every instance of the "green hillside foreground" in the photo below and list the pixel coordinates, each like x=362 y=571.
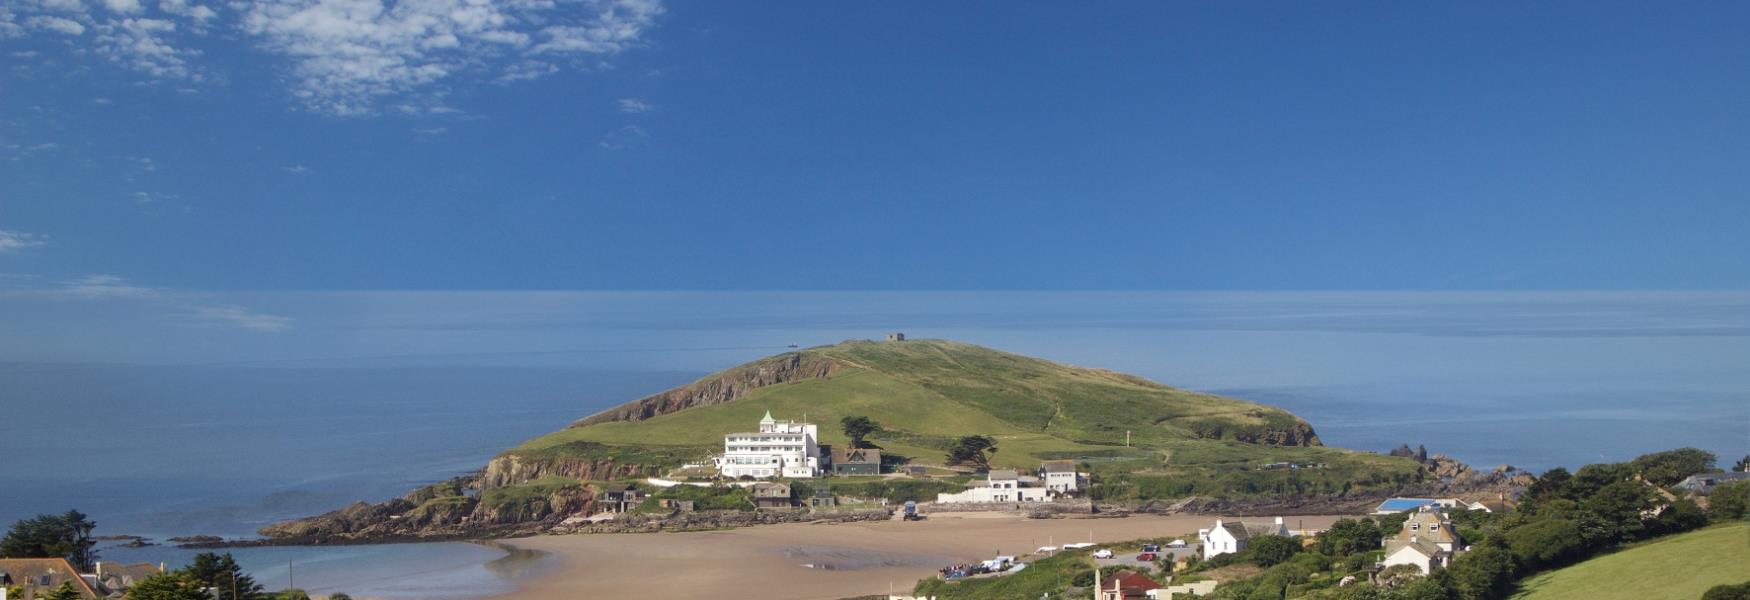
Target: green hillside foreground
x=1679 y=567
x=926 y=393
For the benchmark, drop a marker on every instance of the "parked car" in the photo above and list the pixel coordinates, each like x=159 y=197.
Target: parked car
x=1145 y=557
x=1077 y=545
x=1151 y=547
x=1102 y=553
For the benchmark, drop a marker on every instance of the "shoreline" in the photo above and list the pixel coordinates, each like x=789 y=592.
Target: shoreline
x=802 y=561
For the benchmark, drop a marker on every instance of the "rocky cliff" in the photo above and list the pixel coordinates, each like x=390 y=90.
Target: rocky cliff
x=722 y=387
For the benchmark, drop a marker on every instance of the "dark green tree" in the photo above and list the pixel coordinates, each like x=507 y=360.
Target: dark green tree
x=174 y=585
x=1671 y=466
x=1622 y=505
x=65 y=592
x=1681 y=515
x=1742 y=465
x=221 y=572
x=1271 y=550
x=1590 y=478
x=340 y=596
x=291 y=595
x=53 y=536
x=1729 y=502
x=973 y=450
x=1739 y=591
x=1349 y=536
x=1482 y=574
x=1553 y=485
x=859 y=428
x=1546 y=543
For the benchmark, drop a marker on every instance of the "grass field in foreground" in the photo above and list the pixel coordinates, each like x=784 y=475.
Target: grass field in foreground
x=1679 y=567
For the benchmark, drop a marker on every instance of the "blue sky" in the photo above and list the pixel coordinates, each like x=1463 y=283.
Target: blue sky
x=152 y=148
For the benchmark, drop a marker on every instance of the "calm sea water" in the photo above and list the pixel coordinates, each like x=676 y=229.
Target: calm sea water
x=158 y=430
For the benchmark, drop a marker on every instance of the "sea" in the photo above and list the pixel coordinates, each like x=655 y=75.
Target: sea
x=162 y=429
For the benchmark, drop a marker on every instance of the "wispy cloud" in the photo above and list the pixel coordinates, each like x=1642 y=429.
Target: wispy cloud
x=630 y=136
x=635 y=106
x=297 y=169
x=237 y=316
x=430 y=130
x=191 y=306
x=106 y=286
x=13 y=241
x=348 y=57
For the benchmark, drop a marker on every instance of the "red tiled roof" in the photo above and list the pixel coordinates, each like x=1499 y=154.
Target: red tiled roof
x=1125 y=580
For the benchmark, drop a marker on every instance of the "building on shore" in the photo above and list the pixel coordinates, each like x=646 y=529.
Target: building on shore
x=856 y=461
x=38 y=577
x=1426 y=540
x=772 y=495
x=1233 y=536
x=779 y=449
x=1000 y=485
x=1060 y=476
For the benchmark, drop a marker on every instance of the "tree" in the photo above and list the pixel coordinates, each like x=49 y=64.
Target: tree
x=340 y=596
x=1272 y=550
x=1544 y=543
x=223 y=574
x=859 y=428
x=53 y=536
x=1740 y=591
x=1729 y=502
x=65 y=592
x=1482 y=574
x=1621 y=504
x=1349 y=536
x=974 y=450
x=1743 y=464
x=1551 y=486
x=173 y=585
x=1671 y=466
x=1421 y=453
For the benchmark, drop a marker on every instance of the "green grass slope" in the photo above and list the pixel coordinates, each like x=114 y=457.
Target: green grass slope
x=1679 y=566
x=926 y=393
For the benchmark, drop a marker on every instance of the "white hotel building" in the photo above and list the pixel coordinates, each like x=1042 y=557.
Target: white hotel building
x=779 y=449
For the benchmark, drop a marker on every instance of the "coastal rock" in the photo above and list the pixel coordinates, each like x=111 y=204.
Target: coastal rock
x=720 y=388
x=512 y=469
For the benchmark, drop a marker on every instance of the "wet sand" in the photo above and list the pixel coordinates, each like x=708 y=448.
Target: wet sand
x=848 y=559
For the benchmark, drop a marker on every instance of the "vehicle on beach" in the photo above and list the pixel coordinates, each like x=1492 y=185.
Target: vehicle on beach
x=1078 y=545
x=1102 y=553
x=1151 y=547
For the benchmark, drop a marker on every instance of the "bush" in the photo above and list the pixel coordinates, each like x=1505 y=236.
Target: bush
x=1728 y=592
x=1272 y=550
x=1729 y=502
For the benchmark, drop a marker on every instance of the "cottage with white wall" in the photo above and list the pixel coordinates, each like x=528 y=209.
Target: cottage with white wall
x=999 y=486
x=1229 y=537
x=1427 y=540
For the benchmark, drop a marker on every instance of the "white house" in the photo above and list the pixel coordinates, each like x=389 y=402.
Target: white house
x=999 y=486
x=778 y=449
x=1227 y=537
x=1060 y=476
x=1426 y=540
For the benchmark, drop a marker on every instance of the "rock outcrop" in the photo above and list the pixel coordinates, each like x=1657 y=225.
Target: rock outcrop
x=720 y=388
x=512 y=469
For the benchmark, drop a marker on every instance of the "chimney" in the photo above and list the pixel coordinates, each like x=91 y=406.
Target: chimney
x=100 y=570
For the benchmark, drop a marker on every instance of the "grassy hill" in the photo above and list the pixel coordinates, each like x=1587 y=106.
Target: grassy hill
x=926 y=393
x=1679 y=566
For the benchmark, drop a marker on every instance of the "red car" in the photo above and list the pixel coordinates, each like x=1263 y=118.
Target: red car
x=1145 y=557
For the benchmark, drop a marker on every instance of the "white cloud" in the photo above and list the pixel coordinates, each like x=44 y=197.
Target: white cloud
x=56 y=24
x=106 y=286
x=630 y=136
x=145 y=45
x=124 y=6
x=347 y=55
x=237 y=316
x=297 y=169
x=13 y=241
x=143 y=197
x=635 y=106
x=111 y=287
x=431 y=130
x=351 y=57
x=102 y=101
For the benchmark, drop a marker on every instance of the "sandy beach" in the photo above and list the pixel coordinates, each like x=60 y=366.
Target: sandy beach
x=847 y=559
